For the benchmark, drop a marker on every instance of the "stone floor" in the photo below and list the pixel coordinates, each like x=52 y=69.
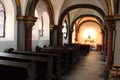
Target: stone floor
x=90 y=67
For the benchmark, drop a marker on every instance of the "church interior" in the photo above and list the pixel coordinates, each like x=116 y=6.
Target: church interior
x=59 y=39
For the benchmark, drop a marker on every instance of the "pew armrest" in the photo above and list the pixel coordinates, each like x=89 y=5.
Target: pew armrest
x=14 y=64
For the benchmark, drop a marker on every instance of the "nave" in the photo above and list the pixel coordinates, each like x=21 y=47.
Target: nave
x=48 y=65
x=59 y=25
x=89 y=67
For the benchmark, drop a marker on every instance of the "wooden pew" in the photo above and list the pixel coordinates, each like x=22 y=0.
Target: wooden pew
x=12 y=70
x=83 y=49
x=76 y=47
x=115 y=72
x=55 y=72
x=14 y=63
x=29 y=58
x=56 y=56
x=65 y=55
x=76 y=50
x=79 y=50
x=40 y=54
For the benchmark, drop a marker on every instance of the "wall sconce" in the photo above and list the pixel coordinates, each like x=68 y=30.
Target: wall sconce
x=41 y=32
x=41 y=28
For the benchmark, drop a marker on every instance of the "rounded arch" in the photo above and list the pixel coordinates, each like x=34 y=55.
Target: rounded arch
x=18 y=7
x=30 y=9
x=98 y=22
x=10 y=39
x=10 y=22
x=92 y=21
x=87 y=15
x=88 y=33
x=3 y=19
x=100 y=11
x=41 y=29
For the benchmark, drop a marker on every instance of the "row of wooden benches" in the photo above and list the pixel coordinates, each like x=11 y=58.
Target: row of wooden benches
x=44 y=64
x=115 y=72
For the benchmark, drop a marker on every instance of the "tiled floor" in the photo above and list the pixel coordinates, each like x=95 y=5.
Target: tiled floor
x=90 y=67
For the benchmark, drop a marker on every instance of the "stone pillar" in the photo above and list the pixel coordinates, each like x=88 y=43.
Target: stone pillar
x=54 y=35
x=20 y=34
x=110 y=23
x=105 y=43
x=59 y=35
x=70 y=36
x=51 y=35
x=76 y=33
x=28 y=24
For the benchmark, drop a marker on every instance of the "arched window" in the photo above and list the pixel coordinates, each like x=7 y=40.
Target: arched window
x=2 y=20
x=64 y=30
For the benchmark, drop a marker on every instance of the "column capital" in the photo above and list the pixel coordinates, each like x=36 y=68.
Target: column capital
x=59 y=27
x=110 y=22
x=29 y=20
x=51 y=26
x=110 y=17
x=117 y=17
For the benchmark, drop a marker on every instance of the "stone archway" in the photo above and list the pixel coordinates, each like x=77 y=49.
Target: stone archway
x=100 y=11
x=28 y=20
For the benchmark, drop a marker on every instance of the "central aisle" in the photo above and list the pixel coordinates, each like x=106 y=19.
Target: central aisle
x=90 y=67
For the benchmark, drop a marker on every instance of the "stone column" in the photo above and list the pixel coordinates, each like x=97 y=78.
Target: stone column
x=26 y=31
x=20 y=34
x=70 y=36
x=51 y=35
x=110 y=23
x=29 y=22
x=76 y=33
x=54 y=35
x=105 y=43
x=59 y=35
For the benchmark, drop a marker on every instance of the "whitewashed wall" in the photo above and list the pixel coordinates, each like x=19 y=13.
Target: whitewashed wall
x=10 y=39
x=117 y=44
x=37 y=39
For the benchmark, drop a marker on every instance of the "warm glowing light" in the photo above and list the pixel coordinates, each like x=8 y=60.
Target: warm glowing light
x=89 y=33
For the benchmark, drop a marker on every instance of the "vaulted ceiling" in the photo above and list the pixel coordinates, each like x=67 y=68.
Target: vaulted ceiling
x=77 y=8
